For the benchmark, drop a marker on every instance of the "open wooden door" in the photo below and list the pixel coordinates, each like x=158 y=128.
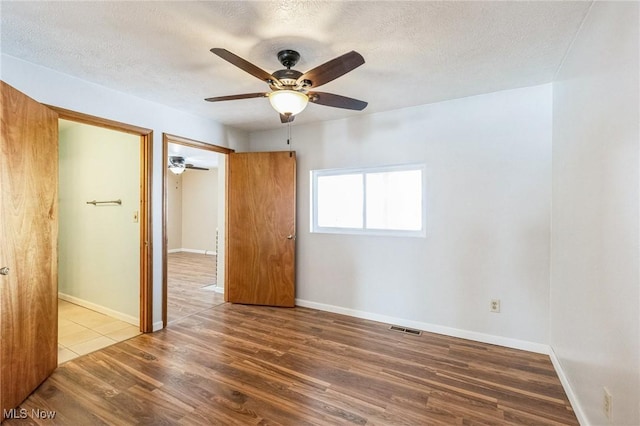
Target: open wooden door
x=261 y=228
x=28 y=244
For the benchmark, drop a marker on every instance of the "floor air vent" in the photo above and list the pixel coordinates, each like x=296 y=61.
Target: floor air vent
x=406 y=330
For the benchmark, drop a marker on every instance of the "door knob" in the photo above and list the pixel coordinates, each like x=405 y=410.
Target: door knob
x=291 y=237
x=4 y=271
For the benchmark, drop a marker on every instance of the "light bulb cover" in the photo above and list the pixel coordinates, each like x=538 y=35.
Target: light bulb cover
x=288 y=102
x=177 y=169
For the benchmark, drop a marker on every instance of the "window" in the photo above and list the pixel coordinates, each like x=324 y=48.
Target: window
x=385 y=200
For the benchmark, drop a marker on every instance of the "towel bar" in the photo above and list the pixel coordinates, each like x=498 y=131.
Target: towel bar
x=95 y=203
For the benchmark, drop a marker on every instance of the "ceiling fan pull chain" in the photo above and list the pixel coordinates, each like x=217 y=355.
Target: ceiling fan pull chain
x=289 y=137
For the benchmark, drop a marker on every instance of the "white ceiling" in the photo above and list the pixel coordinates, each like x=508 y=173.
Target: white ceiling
x=416 y=52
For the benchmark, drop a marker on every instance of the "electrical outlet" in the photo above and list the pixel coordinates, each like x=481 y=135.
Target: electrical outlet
x=607 y=403
x=495 y=305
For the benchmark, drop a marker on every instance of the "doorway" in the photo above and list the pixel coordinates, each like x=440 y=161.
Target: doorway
x=98 y=238
x=142 y=205
x=193 y=226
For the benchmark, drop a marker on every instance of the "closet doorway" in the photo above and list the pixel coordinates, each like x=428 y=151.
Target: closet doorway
x=103 y=264
x=98 y=241
x=193 y=226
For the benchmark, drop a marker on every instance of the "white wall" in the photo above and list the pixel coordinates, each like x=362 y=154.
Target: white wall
x=54 y=88
x=199 y=210
x=595 y=285
x=488 y=161
x=174 y=211
x=99 y=246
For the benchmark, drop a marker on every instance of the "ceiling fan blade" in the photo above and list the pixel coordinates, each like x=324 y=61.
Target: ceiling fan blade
x=234 y=97
x=333 y=69
x=192 y=167
x=284 y=118
x=337 y=101
x=244 y=65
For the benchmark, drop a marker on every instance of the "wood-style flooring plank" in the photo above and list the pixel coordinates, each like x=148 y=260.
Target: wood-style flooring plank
x=188 y=274
x=239 y=364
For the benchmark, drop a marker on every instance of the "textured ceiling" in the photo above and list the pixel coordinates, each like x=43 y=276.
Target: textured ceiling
x=416 y=52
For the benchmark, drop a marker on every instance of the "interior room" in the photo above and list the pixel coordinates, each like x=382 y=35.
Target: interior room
x=514 y=292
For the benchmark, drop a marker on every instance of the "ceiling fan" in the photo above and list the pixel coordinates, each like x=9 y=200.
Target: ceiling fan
x=290 y=88
x=178 y=165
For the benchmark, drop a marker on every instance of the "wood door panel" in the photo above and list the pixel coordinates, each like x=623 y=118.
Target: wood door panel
x=261 y=228
x=29 y=229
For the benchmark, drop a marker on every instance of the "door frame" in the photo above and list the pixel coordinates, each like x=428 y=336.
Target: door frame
x=166 y=140
x=146 y=170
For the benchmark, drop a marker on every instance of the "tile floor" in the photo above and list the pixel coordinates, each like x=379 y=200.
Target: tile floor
x=81 y=331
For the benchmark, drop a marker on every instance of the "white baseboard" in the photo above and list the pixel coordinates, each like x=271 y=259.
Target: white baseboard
x=573 y=399
x=103 y=310
x=207 y=252
x=158 y=325
x=432 y=328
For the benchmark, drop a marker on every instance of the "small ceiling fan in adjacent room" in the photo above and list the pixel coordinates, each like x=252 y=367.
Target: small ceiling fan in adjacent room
x=290 y=92
x=178 y=165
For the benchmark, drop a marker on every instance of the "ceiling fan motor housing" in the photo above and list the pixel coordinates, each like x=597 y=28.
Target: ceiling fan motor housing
x=287 y=77
x=176 y=161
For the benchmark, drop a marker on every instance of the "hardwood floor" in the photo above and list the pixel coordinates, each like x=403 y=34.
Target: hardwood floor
x=240 y=364
x=189 y=280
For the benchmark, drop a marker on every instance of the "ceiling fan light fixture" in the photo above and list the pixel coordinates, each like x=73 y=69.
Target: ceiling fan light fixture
x=177 y=169
x=288 y=102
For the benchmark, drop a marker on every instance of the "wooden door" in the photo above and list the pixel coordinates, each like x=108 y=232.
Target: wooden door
x=261 y=228
x=28 y=240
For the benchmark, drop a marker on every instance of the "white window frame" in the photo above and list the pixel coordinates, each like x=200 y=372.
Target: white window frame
x=315 y=174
